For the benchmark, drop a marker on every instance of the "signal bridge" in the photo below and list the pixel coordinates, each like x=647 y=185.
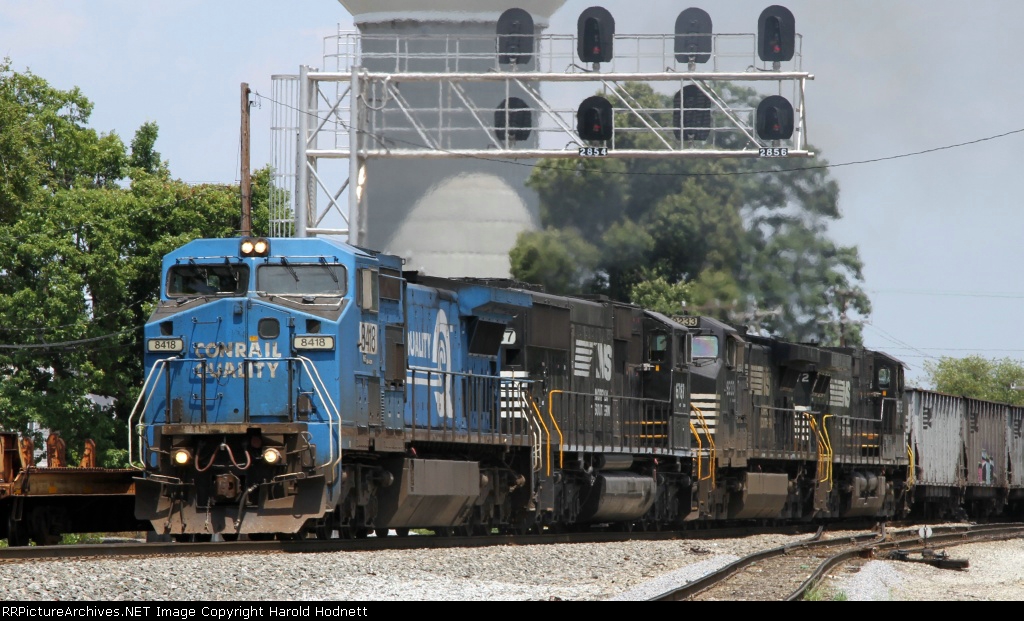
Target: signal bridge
x=518 y=95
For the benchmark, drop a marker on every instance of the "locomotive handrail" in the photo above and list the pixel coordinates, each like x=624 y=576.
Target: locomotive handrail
x=712 y=450
x=611 y=402
x=700 y=447
x=449 y=383
x=540 y=419
x=159 y=365
x=828 y=445
x=551 y=415
x=329 y=405
x=824 y=459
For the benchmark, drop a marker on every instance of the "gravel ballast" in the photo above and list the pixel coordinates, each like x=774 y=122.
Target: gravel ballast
x=586 y=572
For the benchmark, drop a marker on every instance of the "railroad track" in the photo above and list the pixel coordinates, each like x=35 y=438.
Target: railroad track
x=146 y=549
x=140 y=549
x=789 y=572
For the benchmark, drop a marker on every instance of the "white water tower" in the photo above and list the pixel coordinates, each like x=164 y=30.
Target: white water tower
x=447 y=217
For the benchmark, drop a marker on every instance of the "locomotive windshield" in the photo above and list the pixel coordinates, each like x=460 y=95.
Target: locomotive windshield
x=302 y=279
x=705 y=347
x=195 y=279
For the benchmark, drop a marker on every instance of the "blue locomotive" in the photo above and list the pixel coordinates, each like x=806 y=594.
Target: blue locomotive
x=307 y=386
x=302 y=386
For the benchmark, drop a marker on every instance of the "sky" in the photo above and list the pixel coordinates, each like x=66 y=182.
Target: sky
x=940 y=232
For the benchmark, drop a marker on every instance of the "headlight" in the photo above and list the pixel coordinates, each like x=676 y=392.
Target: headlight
x=254 y=247
x=181 y=457
x=272 y=456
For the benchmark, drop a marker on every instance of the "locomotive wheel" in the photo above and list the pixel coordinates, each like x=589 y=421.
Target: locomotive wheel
x=17 y=533
x=381 y=532
x=325 y=532
x=402 y=532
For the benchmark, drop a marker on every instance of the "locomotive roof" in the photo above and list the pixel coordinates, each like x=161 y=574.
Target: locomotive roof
x=297 y=247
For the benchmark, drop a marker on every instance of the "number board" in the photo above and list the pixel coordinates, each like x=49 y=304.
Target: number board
x=773 y=152
x=688 y=321
x=313 y=342
x=593 y=151
x=173 y=345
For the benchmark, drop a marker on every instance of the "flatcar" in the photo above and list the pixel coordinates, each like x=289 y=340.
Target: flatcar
x=40 y=504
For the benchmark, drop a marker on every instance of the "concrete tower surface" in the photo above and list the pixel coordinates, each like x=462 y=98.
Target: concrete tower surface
x=447 y=217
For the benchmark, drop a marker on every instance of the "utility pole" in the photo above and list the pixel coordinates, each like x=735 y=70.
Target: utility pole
x=246 y=182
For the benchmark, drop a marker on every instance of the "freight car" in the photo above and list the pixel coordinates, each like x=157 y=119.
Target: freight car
x=39 y=504
x=968 y=456
x=301 y=386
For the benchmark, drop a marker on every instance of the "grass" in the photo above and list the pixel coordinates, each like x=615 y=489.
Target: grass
x=70 y=539
x=819 y=593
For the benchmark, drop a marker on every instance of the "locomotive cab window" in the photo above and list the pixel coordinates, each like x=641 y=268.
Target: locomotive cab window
x=657 y=348
x=301 y=279
x=884 y=377
x=705 y=347
x=821 y=384
x=219 y=280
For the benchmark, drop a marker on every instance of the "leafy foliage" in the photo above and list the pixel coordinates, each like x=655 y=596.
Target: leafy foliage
x=84 y=227
x=978 y=378
x=749 y=242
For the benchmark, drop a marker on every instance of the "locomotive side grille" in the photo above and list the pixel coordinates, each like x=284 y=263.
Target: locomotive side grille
x=759 y=384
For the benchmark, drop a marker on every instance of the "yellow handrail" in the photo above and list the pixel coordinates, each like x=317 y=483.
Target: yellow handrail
x=824 y=460
x=540 y=419
x=551 y=415
x=700 y=445
x=828 y=445
x=711 y=444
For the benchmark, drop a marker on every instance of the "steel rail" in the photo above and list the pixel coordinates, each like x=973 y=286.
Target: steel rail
x=857 y=546
x=312 y=545
x=991 y=532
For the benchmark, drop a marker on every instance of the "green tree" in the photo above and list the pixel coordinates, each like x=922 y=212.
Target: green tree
x=558 y=259
x=745 y=237
x=978 y=378
x=144 y=155
x=80 y=258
